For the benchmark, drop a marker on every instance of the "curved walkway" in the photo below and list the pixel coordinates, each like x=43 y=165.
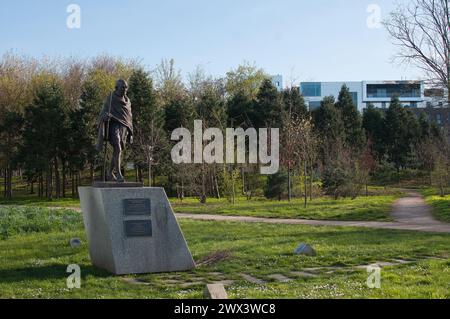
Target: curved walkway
x=409 y=212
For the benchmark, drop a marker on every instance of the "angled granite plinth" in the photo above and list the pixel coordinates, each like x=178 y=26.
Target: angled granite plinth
x=133 y=231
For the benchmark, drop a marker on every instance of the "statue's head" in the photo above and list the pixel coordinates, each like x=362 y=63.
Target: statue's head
x=121 y=87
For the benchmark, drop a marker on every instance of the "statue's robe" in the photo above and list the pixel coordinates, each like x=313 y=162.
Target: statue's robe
x=120 y=109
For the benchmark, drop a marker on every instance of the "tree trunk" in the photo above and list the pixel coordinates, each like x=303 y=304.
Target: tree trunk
x=233 y=191
x=243 y=181
x=203 y=197
x=216 y=183
x=40 y=186
x=72 y=180
x=92 y=173
x=8 y=186
x=63 y=179
x=49 y=188
x=305 y=182
x=289 y=183
x=182 y=189
x=448 y=82
x=150 y=177
x=5 y=182
x=46 y=183
x=10 y=194
x=57 y=179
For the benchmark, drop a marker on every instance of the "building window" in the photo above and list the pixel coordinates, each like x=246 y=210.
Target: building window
x=391 y=90
x=383 y=105
x=414 y=105
x=311 y=89
x=313 y=105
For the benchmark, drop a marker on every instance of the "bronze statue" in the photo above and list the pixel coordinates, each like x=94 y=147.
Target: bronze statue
x=116 y=127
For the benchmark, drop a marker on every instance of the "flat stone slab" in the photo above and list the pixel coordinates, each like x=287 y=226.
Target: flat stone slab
x=216 y=274
x=279 y=277
x=303 y=274
x=252 y=279
x=133 y=231
x=172 y=281
x=224 y=282
x=135 y=281
x=191 y=284
x=215 y=291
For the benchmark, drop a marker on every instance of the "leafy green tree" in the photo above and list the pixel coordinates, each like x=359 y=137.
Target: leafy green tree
x=402 y=133
x=268 y=107
x=148 y=122
x=10 y=139
x=246 y=79
x=294 y=103
x=329 y=126
x=239 y=110
x=373 y=124
x=276 y=185
x=45 y=134
x=79 y=148
x=351 y=118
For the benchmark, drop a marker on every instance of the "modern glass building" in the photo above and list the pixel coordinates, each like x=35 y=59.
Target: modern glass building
x=378 y=93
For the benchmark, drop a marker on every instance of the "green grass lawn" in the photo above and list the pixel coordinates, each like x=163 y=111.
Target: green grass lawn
x=34 y=254
x=372 y=208
x=440 y=205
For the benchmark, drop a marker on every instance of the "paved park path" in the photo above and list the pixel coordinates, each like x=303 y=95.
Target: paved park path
x=409 y=213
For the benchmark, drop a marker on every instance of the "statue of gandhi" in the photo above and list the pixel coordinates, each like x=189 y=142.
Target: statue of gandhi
x=116 y=127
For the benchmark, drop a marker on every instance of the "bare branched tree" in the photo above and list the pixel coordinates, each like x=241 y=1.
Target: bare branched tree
x=421 y=30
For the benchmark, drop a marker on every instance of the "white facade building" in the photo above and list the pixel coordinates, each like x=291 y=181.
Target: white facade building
x=277 y=81
x=378 y=93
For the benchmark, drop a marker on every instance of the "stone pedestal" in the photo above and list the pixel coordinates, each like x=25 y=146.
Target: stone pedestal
x=133 y=230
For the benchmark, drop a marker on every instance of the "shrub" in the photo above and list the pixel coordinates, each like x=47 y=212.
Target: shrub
x=276 y=185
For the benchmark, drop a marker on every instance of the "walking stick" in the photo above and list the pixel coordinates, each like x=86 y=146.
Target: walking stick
x=106 y=139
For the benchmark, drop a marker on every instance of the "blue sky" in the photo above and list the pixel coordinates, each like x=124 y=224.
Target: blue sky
x=320 y=40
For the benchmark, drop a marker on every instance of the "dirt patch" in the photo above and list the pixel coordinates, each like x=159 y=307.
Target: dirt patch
x=214 y=258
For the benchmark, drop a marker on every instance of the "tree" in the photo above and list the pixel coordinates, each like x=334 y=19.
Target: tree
x=373 y=124
x=351 y=119
x=421 y=30
x=294 y=103
x=45 y=133
x=148 y=123
x=245 y=79
x=276 y=185
x=168 y=82
x=267 y=108
x=329 y=126
x=10 y=140
x=402 y=133
x=239 y=110
x=344 y=176
x=93 y=93
x=300 y=148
